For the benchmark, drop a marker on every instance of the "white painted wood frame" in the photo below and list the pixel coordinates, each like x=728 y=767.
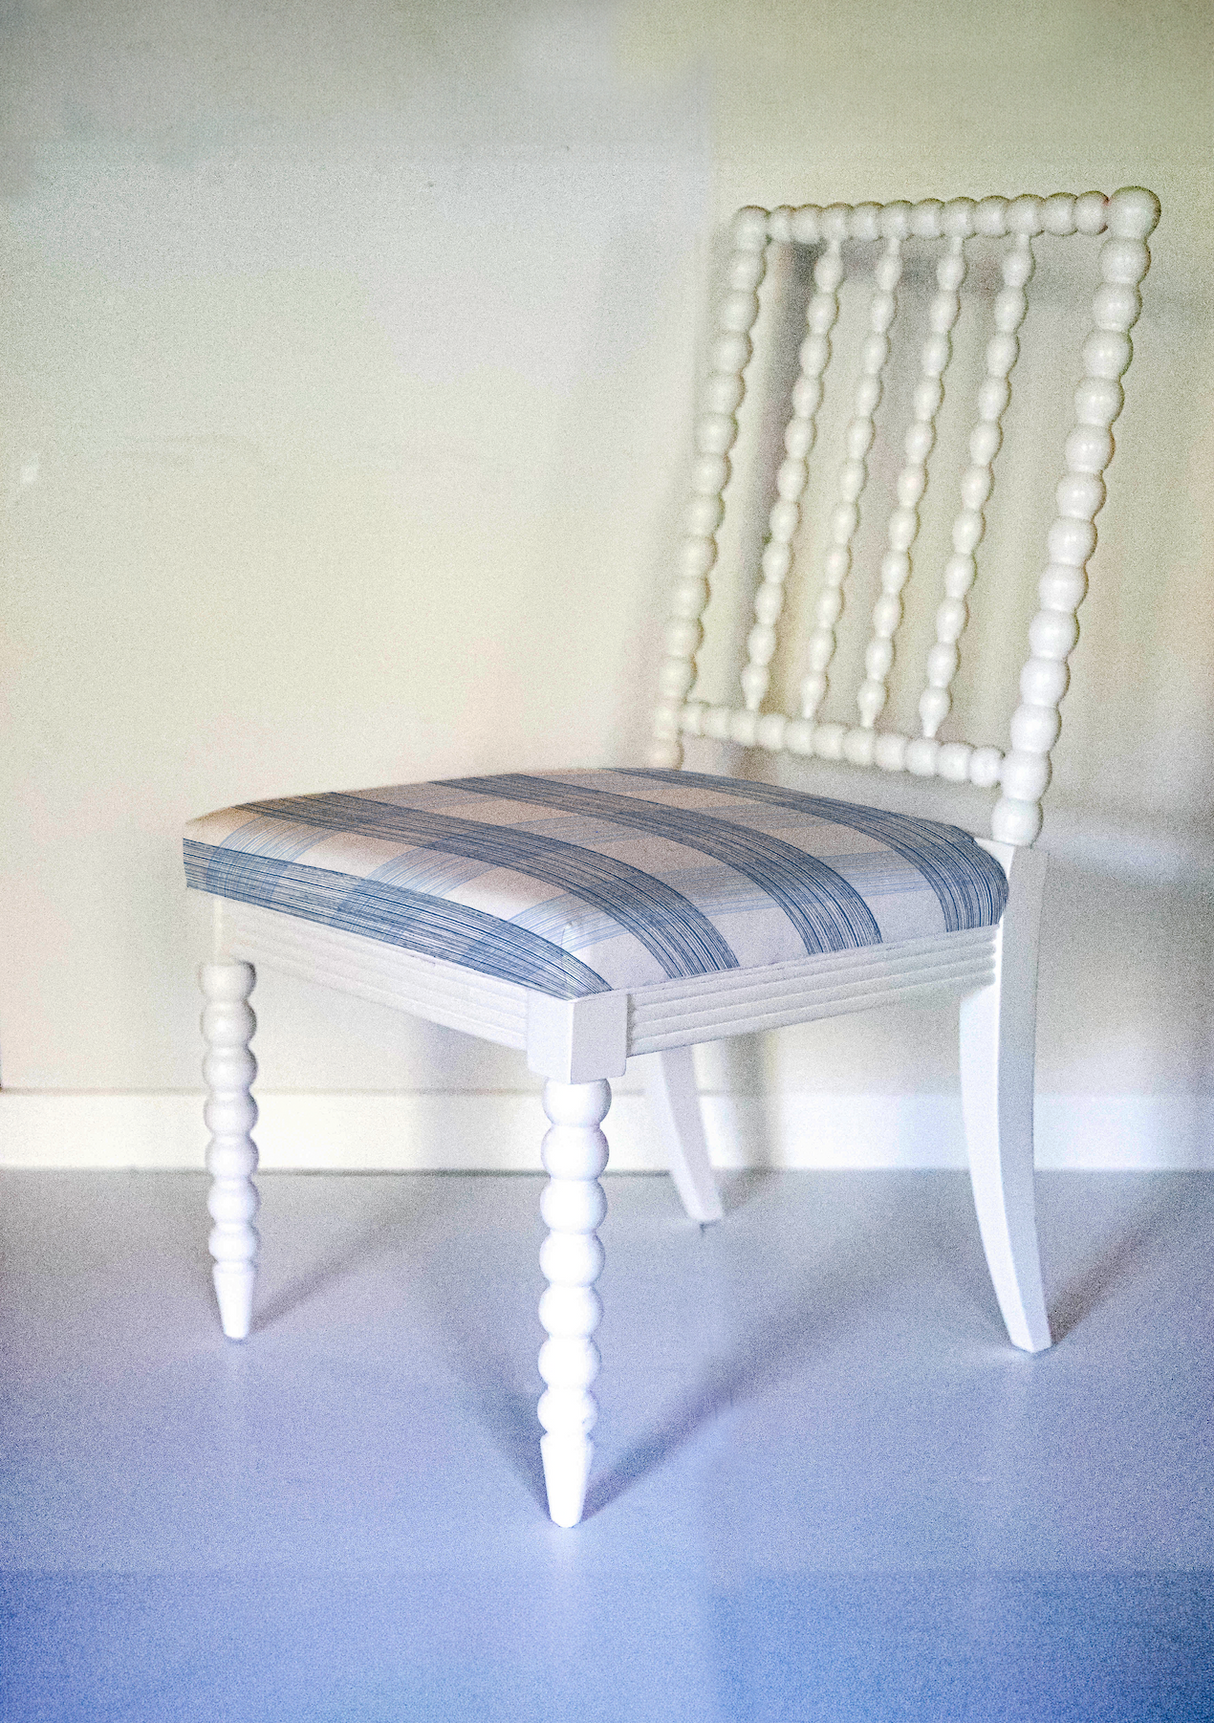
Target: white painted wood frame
x=579 y=1046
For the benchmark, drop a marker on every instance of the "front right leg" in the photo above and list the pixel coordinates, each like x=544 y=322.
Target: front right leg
x=230 y=1113
x=571 y=1257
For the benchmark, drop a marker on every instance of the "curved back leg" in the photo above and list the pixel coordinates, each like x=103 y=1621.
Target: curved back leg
x=998 y=1033
x=674 y=1102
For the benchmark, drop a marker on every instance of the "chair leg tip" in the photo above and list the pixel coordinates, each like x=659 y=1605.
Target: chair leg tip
x=1031 y=1336
x=234 y=1295
x=1032 y=1346
x=566 y=1471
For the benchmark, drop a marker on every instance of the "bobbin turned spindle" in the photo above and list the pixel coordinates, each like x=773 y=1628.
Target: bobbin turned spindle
x=1022 y=771
x=903 y=524
x=853 y=472
x=573 y=1206
x=1124 y=260
x=1023 y=218
x=230 y=1113
x=715 y=434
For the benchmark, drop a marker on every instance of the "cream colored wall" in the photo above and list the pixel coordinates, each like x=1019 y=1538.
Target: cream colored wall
x=346 y=359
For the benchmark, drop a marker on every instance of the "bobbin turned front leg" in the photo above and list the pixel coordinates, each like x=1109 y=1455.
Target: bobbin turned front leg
x=571 y=1257
x=230 y=1113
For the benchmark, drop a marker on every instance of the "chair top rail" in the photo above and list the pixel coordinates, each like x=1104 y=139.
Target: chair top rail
x=1021 y=771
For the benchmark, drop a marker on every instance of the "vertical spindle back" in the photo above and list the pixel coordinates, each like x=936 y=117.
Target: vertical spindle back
x=1021 y=771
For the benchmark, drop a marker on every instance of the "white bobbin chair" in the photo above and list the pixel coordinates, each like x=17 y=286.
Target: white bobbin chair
x=560 y=912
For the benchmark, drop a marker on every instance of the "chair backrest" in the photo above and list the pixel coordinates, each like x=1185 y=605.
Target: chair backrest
x=832 y=237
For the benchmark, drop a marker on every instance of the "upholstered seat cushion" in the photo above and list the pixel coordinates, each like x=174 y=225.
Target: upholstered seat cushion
x=577 y=882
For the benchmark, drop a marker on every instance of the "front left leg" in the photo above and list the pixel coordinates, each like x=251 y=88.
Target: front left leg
x=571 y=1257
x=231 y=1112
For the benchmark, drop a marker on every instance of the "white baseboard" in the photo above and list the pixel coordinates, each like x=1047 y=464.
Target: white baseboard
x=501 y=1132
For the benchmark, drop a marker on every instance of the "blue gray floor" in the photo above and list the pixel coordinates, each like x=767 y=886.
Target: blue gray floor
x=825 y=1486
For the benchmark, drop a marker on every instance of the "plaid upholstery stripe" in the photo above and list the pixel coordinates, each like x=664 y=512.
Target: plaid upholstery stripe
x=829 y=914
x=968 y=882
x=430 y=925
x=682 y=939
x=576 y=882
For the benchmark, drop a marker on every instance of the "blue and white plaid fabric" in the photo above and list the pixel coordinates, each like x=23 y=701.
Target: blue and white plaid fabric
x=578 y=882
